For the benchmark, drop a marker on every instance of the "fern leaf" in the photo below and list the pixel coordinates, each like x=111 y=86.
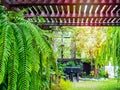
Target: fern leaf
x=4 y=49
x=35 y=81
x=25 y=62
x=12 y=64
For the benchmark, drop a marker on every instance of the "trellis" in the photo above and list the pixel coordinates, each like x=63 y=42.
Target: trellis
x=70 y=12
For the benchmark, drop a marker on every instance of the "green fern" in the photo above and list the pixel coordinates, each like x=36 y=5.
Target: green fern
x=21 y=62
x=12 y=63
x=24 y=67
x=4 y=49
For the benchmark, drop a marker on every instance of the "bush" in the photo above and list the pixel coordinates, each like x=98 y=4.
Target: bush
x=103 y=73
x=64 y=85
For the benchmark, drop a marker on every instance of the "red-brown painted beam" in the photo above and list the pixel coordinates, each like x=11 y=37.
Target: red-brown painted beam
x=62 y=2
x=6 y=4
x=81 y=24
x=72 y=16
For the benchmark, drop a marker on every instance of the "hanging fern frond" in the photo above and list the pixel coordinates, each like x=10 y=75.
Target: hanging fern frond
x=12 y=64
x=22 y=67
x=35 y=81
x=25 y=62
x=4 y=49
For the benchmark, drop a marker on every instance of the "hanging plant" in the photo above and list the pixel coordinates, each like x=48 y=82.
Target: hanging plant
x=26 y=56
x=114 y=47
x=110 y=50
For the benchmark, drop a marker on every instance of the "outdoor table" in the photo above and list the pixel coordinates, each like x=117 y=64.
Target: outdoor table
x=71 y=71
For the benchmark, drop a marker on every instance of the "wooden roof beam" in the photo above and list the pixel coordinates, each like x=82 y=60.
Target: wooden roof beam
x=60 y=2
x=82 y=24
x=71 y=15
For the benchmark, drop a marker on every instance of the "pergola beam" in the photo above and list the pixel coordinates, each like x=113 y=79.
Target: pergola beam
x=62 y=2
x=81 y=24
x=70 y=12
x=73 y=16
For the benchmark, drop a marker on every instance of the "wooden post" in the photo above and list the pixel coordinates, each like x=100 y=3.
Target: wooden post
x=73 y=48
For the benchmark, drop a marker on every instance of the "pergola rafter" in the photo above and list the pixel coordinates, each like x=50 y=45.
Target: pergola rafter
x=70 y=12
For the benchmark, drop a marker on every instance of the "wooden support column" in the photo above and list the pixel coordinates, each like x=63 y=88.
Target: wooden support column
x=62 y=45
x=73 y=48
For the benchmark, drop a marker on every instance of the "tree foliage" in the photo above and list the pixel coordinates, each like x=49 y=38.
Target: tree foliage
x=103 y=47
x=110 y=51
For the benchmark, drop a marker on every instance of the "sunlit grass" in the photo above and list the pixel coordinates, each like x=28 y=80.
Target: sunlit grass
x=95 y=85
x=110 y=84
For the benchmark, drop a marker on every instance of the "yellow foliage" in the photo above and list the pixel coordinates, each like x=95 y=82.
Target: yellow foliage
x=64 y=85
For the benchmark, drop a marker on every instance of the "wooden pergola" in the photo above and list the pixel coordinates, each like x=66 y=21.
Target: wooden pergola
x=70 y=12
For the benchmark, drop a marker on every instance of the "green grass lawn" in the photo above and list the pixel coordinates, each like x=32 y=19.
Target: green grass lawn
x=95 y=85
